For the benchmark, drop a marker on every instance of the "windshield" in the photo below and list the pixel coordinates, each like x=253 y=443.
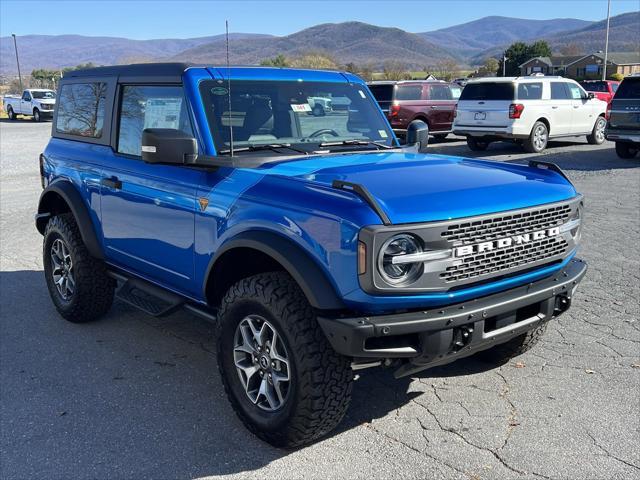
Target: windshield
x=304 y=115
x=43 y=94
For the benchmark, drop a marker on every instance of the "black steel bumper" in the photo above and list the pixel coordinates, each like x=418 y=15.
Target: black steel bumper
x=436 y=337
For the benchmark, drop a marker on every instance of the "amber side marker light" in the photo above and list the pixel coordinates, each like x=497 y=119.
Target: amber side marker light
x=362 y=258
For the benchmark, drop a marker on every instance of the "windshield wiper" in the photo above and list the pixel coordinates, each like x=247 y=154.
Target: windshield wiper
x=357 y=143
x=271 y=146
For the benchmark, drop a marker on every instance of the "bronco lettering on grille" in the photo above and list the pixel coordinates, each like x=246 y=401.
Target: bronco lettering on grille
x=506 y=242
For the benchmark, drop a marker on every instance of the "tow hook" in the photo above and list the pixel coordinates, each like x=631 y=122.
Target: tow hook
x=563 y=302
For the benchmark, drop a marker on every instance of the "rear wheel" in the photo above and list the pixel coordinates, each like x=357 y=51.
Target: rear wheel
x=626 y=150
x=537 y=140
x=10 y=113
x=597 y=134
x=36 y=115
x=477 y=145
x=283 y=379
x=78 y=284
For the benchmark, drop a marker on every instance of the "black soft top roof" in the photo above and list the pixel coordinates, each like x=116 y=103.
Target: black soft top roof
x=162 y=72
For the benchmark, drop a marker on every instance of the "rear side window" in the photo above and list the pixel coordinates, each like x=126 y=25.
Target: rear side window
x=409 y=92
x=488 y=91
x=81 y=108
x=150 y=107
x=629 y=88
x=595 y=86
x=530 y=91
x=559 y=91
x=382 y=93
x=439 y=92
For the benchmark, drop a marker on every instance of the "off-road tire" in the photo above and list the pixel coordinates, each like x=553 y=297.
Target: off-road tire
x=37 y=117
x=529 y=144
x=10 y=113
x=94 y=289
x=597 y=137
x=477 y=145
x=322 y=380
x=516 y=346
x=626 y=150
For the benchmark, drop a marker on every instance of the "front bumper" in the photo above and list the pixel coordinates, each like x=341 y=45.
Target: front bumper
x=439 y=336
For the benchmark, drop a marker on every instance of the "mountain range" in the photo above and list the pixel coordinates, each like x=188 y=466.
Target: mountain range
x=467 y=44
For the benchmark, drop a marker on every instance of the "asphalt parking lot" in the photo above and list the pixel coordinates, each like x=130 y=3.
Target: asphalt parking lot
x=136 y=397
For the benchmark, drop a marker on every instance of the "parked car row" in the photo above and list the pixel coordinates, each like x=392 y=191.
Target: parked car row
x=36 y=102
x=528 y=110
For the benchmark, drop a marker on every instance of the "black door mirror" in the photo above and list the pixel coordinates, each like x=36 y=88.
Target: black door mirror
x=418 y=135
x=590 y=95
x=168 y=145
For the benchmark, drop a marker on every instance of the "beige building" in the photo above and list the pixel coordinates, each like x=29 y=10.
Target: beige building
x=583 y=66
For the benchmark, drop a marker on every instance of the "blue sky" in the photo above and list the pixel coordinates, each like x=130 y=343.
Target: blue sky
x=144 y=19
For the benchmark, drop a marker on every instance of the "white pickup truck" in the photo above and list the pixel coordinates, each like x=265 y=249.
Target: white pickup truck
x=36 y=102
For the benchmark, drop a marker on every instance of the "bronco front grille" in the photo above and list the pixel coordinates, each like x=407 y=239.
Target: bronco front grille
x=506 y=225
x=497 y=261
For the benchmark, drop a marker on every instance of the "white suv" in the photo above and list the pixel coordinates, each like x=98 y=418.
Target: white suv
x=530 y=110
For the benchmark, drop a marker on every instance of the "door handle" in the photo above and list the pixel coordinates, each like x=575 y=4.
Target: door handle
x=554 y=107
x=434 y=107
x=112 y=183
x=576 y=106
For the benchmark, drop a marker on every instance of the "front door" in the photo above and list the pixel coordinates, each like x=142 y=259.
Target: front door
x=148 y=210
x=441 y=107
x=25 y=103
x=583 y=118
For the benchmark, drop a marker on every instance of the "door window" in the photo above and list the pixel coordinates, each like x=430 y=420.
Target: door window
x=26 y=97
x=150 y=107
x=559 y=91
x=81 y=109
x=409 y=92
x=574 y=90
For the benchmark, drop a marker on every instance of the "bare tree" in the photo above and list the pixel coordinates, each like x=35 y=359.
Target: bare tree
x=446 y=69
x=395 y=70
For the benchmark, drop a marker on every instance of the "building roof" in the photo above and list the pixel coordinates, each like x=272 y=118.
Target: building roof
x=555 y=61
x=622 y=58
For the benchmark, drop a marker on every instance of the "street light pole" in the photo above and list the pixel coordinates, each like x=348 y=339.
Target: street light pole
x=504 y=64
x=15 y=45
x=606 y=42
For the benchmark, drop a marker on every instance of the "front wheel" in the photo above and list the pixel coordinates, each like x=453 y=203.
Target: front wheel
x=36 y=115
x=477 y=145
x=597 y=134
x=537 y=140
x=283 y=379
x=626 y=150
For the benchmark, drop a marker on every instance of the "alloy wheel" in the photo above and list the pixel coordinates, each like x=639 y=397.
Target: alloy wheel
x=62 y=269
x=262 y=363
x=600 y=126
x=540 y=137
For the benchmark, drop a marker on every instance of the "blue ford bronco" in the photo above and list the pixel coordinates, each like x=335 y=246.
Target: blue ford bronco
x=279 y=204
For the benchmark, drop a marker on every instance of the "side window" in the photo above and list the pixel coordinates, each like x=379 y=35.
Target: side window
x=530 y=91
x=26 y=96
x=81 y=109
x=559 y=91
x=574 y=90
x=614 y=87
x=150 y=107
x=439 y=92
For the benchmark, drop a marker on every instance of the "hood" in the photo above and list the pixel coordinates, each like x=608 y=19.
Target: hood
x=413 y=187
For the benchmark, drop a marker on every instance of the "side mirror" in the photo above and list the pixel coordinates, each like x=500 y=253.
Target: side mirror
x=590 y=95
x=169 y=146
x=418 y=135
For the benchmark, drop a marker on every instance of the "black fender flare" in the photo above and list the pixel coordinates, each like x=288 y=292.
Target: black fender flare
x=305 y=271
x=68 y=192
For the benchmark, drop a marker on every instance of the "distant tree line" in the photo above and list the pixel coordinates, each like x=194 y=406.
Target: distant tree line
x=44 y=78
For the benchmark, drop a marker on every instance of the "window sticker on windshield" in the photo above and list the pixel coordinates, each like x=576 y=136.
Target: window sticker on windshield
x=219 y=91
x=362 y=94
x=382 y=134
x=301 y=107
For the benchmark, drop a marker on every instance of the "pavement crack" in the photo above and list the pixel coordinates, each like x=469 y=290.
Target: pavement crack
x=608 y=453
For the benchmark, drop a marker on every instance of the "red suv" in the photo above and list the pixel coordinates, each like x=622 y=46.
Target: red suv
x=432 y=102
x=603 y=89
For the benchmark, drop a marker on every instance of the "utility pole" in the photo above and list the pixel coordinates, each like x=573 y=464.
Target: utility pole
x=606 y=42
x=504 y=64
x=15 y=45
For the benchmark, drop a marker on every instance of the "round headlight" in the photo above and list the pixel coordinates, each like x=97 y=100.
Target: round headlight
x=400 y=272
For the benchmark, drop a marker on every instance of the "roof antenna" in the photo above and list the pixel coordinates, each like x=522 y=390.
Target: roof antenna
x=226 y=22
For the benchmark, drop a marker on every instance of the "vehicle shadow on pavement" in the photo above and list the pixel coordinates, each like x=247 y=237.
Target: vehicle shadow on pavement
x=135 y=396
